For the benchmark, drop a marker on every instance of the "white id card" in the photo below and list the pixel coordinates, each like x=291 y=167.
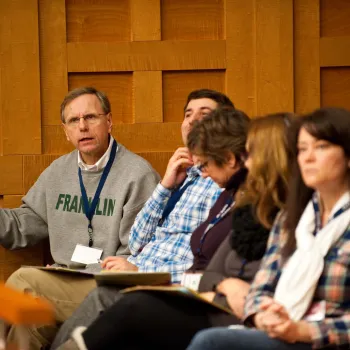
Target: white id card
x=191 y=280
x=86 y=255
x=316 y=312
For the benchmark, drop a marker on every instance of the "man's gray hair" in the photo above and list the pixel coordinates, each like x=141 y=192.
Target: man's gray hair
x=72 y=95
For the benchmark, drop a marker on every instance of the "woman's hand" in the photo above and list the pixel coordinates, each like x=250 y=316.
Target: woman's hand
x=232 y=286
x=236 y=291
x=271 y=315
x=275 y=321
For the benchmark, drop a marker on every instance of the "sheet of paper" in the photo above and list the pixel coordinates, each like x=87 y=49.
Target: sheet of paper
x=86 y=255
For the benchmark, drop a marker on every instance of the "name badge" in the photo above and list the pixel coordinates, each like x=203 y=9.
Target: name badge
x=316 y=312
x=86 y=255
x=191 y=280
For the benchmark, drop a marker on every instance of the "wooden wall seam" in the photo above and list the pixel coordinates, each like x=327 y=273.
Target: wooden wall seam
x=20 y=77
x=306 y=55
x=149 y=56
x=241 y=54
x=53 y=58
x=145 y=20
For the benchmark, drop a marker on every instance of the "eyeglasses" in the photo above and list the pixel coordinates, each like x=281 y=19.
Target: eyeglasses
x=90 y=118
x=202 y=166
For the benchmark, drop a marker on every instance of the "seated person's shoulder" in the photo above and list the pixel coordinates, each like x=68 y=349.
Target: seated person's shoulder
x=63 y=162
x=134 y=164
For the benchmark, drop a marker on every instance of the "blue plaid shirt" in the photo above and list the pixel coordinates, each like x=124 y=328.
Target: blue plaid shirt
x=166 y=248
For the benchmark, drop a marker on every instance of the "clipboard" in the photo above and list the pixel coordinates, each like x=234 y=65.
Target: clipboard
x=119 y=278
x=132 y=278
x=59 y=269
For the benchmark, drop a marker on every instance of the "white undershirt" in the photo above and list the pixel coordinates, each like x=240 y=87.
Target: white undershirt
x=101 y=163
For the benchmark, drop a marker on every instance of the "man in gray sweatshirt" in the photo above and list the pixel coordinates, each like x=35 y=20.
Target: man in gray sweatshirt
x=88 y=199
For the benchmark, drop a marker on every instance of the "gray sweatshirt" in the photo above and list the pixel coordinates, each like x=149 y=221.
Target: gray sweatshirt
x=53 y=207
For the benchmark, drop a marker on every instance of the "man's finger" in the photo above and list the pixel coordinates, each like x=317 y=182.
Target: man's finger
x=108 y=259
x=181 y=162
x=112 y=264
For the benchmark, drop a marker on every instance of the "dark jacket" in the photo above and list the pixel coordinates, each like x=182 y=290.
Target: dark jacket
x=239 y=256
x=218 y=233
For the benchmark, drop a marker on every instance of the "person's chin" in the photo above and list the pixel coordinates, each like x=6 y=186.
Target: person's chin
x=87 y=149
x=311 y=182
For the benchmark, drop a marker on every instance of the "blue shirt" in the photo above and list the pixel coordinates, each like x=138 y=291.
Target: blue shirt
x=166 y=248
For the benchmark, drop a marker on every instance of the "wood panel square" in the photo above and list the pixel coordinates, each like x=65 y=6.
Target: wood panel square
x=11 y=175
x=192 y=20
x=335 y=87
x=93 y=20
x=177 y=86
x=117 y=86
x=10 y=261
x=13 y=201
x=334 y=18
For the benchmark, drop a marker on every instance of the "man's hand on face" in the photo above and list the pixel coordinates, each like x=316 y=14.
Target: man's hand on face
x=118 y=263
x=176 y=170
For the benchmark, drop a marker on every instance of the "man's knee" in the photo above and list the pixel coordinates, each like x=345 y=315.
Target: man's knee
x=24 y=279
x=103 y=296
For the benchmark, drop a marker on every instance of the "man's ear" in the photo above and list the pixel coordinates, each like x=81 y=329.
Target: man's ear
x=65 y=131
x=109 y=121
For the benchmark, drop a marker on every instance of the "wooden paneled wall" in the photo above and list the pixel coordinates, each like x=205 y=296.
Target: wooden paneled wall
x=147 y=55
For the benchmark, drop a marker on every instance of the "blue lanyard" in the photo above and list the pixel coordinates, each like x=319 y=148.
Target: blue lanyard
x=90 y=209
x=223 y=212
x=175 y=196
x=241 y=270
x=318 y=221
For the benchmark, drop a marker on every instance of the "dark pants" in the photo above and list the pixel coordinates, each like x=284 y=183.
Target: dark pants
x=150 y=320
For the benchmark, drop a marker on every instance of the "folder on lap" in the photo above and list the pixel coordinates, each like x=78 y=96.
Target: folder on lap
x=132 y=278
x=107 y=277
x=61 y=269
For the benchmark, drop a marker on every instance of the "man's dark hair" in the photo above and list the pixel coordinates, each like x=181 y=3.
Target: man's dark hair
x=221 y=99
